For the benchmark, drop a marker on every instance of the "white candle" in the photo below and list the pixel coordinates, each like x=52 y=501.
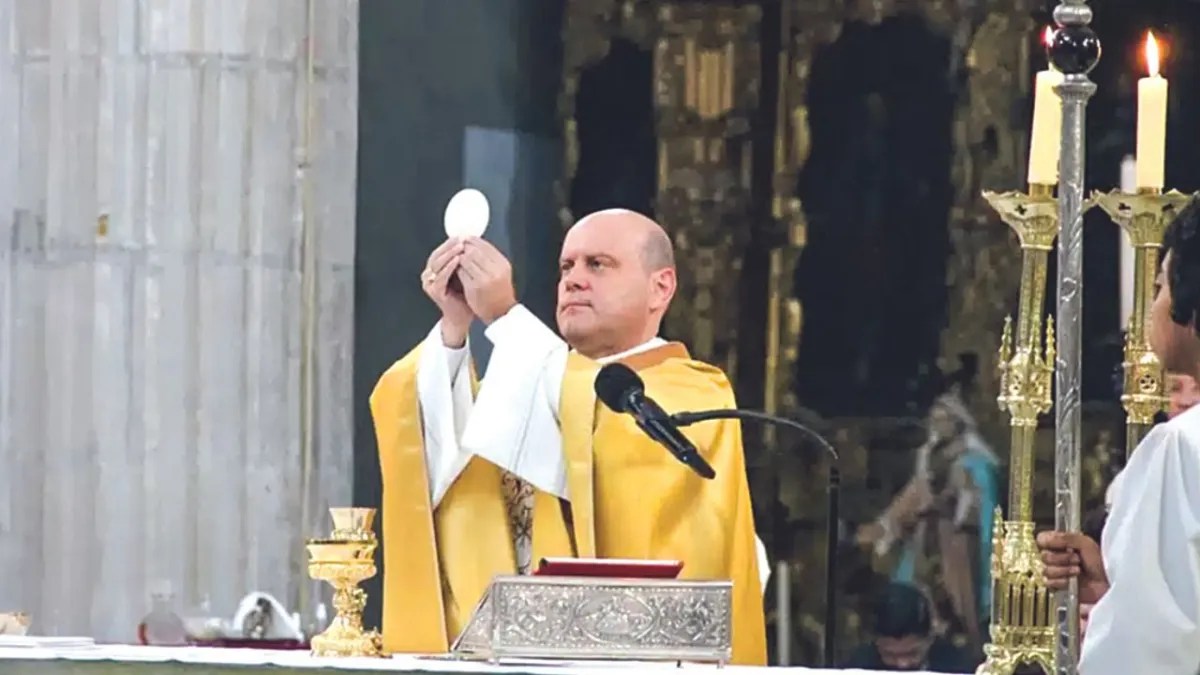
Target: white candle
x=1151 y=122
x=1047 y=130
x=1128 y=185
x=1047 y=126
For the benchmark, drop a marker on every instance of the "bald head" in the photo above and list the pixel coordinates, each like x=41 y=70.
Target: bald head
x=657 y=251
x=618 y=277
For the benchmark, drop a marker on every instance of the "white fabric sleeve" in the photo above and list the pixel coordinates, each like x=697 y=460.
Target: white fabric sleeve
x=444 y=393
x=514 y=423
x=764 y=563
x=1148 y=620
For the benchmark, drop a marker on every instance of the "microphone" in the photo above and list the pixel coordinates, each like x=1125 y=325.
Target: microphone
x=622 y=391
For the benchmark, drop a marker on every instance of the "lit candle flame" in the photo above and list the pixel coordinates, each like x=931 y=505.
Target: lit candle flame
x=1048 y=36
x=1151 y=54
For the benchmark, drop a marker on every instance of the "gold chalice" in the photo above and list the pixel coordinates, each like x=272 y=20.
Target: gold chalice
x=344 y=560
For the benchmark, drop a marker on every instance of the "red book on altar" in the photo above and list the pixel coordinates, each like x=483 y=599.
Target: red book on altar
x=609 y=567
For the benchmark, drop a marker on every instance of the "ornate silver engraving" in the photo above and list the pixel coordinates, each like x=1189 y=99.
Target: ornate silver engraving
x=613 y=619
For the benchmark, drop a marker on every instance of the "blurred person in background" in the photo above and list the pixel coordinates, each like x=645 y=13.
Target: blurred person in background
x=904 y=637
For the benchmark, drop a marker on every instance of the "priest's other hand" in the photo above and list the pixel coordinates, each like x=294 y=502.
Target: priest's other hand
x=1072 y=554
x=487 y=280
x=440 y=284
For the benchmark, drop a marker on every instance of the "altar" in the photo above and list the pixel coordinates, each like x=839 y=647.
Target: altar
x=137 y=660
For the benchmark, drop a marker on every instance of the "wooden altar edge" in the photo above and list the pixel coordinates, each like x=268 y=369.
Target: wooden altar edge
x=605 y=619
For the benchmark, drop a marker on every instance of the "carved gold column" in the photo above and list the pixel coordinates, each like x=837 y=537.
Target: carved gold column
x=792 y=143
x=706 y=86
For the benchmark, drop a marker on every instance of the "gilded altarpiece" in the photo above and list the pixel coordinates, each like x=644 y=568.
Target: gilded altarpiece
x=988 y=53
x=708 y=93
x=706 y=85
x=705 y=69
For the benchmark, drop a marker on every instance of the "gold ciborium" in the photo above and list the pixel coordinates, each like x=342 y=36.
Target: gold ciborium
x=344 y=560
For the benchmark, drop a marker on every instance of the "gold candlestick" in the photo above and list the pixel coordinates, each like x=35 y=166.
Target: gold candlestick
x=1022 y=626
x=345 y=560
x=1144 y=217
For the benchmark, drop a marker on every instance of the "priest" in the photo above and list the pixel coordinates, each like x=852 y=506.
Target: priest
x=482 y=478
x=1147 y=576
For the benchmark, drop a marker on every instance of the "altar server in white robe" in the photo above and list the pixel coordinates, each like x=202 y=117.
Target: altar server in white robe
x=1147 y=620
x=1077 y=555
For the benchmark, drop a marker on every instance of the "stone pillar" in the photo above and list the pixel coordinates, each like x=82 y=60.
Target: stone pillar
x=163 y=161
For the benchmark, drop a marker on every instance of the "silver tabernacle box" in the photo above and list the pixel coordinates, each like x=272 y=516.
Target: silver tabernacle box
x=600 y=618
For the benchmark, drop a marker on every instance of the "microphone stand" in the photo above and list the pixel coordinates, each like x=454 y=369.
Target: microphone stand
x=831 y=509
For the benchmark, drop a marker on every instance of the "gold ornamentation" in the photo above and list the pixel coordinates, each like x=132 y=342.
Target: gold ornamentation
x=1144 y=217
x=989 y=149
x=589 y=27
x=1022 y=608
x=987 y=49
x=793 y=142
x=705 y=95
x=1022 y=626
x=988 y=146
x=706 y=86
x=345 y=560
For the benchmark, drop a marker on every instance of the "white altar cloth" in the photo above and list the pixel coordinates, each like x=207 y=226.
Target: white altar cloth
x=117 y=659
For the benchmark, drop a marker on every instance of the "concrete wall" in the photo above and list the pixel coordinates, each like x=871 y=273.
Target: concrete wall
x=152 y=210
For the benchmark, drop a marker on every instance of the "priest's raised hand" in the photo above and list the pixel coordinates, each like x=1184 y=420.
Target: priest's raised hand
x=487 y=280
x=438 y=282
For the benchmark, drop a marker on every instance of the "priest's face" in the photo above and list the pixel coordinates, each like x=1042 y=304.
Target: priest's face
x=610 y=297
x=1175 y=345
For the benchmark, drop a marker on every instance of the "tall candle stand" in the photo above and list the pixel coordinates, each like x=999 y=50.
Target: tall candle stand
x=1022 y=629
x=1144 y=217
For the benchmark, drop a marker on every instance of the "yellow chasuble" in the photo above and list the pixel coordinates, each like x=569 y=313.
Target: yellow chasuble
x=629 y=498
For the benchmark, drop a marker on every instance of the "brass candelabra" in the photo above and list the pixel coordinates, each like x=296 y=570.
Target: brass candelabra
x=1022 y=624
x=1029 y=624
x=1144 y=217
x=346 y=559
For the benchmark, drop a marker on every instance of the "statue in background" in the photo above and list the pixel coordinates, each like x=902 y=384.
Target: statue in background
x=942 y=519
